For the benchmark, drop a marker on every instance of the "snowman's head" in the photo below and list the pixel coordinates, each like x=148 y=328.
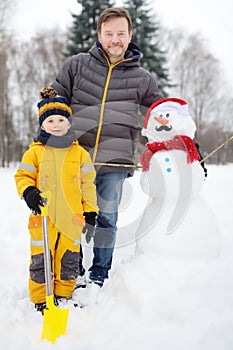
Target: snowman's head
x=167 y=118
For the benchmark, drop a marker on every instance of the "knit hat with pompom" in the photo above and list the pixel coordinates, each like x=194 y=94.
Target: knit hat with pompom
x=51 y=103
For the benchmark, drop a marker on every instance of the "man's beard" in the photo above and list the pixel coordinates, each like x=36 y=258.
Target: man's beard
x=113 y=54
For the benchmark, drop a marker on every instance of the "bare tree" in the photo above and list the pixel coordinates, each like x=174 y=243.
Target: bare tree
x=35 y=64
x=5 y=106
x=196 y=74
x=198 y=78
x=4 y=5
x=201 y=72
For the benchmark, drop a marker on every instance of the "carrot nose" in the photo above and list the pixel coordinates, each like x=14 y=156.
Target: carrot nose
x=161 y=120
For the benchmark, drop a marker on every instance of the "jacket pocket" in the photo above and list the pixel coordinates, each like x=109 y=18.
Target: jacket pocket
x=35 y=221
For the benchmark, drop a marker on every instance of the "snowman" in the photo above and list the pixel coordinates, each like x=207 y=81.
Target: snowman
x=177 y=221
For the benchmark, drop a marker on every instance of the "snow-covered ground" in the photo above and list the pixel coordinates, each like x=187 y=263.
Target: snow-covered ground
x=150 y=302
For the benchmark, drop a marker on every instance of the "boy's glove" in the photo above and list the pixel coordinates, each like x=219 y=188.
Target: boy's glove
x=89 y=227
x=33 y=199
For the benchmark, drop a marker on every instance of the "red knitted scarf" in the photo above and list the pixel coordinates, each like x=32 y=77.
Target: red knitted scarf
x=180 y=142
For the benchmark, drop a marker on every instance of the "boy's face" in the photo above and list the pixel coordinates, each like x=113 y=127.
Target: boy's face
x=56 y=125
x=115 y=38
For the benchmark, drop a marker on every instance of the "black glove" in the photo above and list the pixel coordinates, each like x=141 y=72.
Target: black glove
x=33 y=199
x=202 y=163
x=88 y=230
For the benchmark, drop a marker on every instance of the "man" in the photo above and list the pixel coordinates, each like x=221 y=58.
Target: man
x=106 y=87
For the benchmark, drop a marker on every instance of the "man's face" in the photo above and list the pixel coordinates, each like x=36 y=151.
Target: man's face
x=115 y=38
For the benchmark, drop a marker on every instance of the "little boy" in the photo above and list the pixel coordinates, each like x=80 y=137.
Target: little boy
x=55 y=162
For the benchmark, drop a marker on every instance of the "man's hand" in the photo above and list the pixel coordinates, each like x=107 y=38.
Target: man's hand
x=89 y=227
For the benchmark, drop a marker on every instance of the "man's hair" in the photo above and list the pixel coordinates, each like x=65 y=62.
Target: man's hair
x=114 y=12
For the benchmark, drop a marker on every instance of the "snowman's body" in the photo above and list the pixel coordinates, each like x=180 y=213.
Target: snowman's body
x=177 y=222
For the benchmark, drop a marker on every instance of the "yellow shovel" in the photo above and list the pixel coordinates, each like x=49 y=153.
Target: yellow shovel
x=55 y=319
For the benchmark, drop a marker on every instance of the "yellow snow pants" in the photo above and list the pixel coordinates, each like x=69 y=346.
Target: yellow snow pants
x=64 y=261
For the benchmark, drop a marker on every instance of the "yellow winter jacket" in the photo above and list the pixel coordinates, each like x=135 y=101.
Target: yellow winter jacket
x=68 y=173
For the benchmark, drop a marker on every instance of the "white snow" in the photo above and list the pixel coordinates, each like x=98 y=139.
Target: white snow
x=150 y=302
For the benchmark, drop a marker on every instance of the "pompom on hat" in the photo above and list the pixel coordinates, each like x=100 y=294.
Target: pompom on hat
x=167 y=104
x=51 y=103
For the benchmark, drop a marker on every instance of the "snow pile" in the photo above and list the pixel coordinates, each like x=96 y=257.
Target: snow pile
x=151 y=301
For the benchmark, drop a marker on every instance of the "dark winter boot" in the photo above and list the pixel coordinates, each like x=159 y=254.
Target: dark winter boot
x=40 y=307
x=60 y=301
x=81 y=282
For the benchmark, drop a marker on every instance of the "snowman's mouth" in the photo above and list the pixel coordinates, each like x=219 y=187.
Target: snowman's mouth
x=163 y=127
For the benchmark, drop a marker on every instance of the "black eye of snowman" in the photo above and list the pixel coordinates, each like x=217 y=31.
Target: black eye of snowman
x=167 y=116
x=163 y=122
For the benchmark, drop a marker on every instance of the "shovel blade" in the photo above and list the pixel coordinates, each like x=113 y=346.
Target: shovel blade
x=54 y=321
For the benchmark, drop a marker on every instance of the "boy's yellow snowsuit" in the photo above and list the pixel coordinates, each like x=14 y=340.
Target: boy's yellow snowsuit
x=68 y=173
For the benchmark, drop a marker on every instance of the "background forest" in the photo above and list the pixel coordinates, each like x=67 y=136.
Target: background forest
x=182 y=64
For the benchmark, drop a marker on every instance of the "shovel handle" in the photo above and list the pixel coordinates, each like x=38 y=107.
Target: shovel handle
x=47 y=259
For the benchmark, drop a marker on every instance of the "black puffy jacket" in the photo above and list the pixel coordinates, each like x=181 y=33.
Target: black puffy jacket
x=106 y=100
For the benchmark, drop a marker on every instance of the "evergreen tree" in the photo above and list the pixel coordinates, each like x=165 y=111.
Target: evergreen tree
x=83 y=32
x=145 y=35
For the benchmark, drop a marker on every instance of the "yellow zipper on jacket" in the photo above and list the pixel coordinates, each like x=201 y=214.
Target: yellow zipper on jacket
x=110 y=66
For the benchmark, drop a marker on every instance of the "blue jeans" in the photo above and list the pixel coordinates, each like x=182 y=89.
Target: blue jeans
x=109 y=191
